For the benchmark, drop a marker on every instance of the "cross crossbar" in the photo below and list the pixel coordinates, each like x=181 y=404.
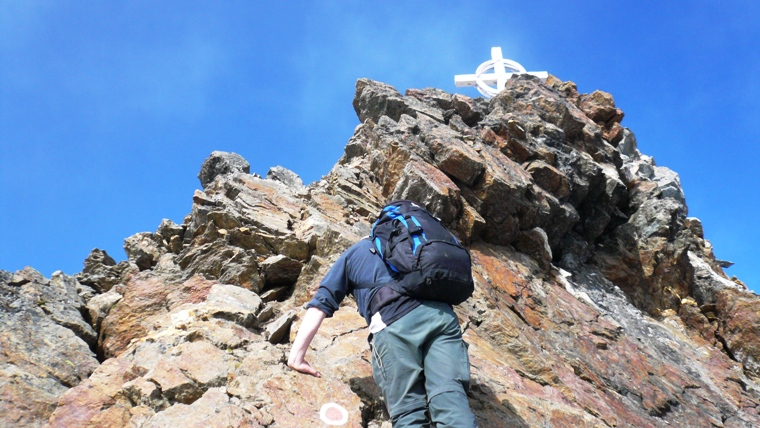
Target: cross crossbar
x=490 y=84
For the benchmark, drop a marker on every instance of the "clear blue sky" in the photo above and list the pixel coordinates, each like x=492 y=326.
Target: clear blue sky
x=108 y=109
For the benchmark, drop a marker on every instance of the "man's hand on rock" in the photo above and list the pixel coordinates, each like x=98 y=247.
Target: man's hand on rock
x=297 y=358
x=303 y=367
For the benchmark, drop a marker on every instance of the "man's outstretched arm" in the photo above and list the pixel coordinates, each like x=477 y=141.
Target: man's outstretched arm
x=309 y=327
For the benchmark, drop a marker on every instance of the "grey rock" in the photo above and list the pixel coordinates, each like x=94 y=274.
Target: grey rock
x=100 y=271
x=457 y=124
x=100 y=305
x=170 y=235
x=468 y=109
x=85 y=292
x=428 y=186
x=278 y=329
x=695 y=226
x=434 y=97
x=627 y=145
x=374 y=100
x=143 y=392
x=415 y=108
x=635 y=171
x=42 y=356
x=275 y=294
x=223 y=262
x=669 y=183
x=175 y=385
x=234 y=304
x=280 y=270
x=576 y=251
x=213 y=406
x=26 y=276
x=286 y=176
x=61 y=301
x=657 y=218
x=706 y=282
x=220 y=163
x=97 y=257
x=143 y=250
x=56 y=299
x=535 y=243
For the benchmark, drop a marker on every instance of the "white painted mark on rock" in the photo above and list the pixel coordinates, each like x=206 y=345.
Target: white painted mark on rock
x=333 y=414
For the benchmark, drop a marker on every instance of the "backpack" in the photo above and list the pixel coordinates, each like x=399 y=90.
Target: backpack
x=428 y=262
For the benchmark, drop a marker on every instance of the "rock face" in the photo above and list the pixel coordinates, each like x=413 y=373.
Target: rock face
x=598 y=302
x=44 y=345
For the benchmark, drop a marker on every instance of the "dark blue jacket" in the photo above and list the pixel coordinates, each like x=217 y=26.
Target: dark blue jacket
x=358 y=265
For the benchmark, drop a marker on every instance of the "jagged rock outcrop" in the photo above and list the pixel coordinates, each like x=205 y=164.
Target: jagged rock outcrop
x=44 y=345
x=598 y=302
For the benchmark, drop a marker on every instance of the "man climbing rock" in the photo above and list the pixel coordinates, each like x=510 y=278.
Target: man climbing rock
x=419 y=359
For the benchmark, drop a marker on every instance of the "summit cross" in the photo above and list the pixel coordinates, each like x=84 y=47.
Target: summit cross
x=502 y=68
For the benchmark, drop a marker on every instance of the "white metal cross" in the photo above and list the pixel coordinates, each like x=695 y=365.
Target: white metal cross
x=502 y=68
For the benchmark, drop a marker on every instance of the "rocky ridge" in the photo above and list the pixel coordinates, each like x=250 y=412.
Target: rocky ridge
x=598 y=301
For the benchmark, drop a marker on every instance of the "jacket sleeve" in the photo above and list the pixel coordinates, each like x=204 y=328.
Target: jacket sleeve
x=333 y=288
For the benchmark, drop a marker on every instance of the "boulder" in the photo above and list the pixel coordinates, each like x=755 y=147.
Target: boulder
x=221 y=163
x=280 y=270
x=669 y=184
x=549 y=178
x=280 y=328
x=535 y=243
x=170 y=235
x=286 y=176
x=627 y=145
x=234 y=304
x=430 y=187
x=375 y=99
x=599 y=106
x=454 y=157
x=101 y=271
x=143 y=250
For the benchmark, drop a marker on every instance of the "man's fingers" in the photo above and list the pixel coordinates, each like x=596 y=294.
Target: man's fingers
x=305 y=368
x=310 y=370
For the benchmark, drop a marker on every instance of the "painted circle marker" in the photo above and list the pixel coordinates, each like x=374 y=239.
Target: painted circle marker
x=333 y=414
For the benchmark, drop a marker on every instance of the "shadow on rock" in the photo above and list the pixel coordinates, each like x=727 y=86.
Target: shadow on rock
x=374 y=412
x=490 y=411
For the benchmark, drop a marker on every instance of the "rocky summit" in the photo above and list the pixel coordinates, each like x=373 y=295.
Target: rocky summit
x=597 y=302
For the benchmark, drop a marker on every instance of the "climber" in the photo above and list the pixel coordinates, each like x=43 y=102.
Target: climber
x=419 y=359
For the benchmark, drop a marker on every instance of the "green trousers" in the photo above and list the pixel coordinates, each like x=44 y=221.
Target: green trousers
x=420 y=363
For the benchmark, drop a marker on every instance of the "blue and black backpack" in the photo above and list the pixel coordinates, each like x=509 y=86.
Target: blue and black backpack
x=429 y=263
